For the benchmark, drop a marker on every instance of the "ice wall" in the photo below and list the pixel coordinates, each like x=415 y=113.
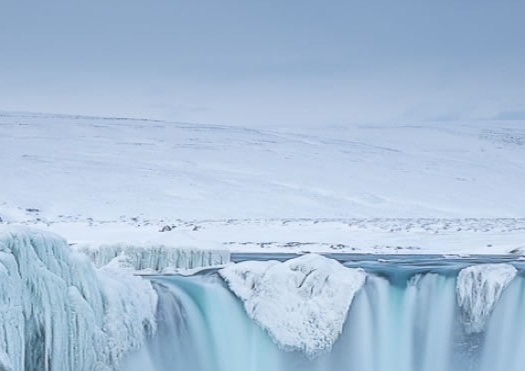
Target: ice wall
x=479 y=288
x=154 y=258
x=59 y=313
x=302 y=303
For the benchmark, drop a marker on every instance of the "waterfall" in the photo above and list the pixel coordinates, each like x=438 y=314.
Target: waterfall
x=409 y=324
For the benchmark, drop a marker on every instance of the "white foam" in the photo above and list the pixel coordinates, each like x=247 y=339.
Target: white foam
x=302 y=303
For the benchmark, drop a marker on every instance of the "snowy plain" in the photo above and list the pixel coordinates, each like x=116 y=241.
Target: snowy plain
x=445 y=187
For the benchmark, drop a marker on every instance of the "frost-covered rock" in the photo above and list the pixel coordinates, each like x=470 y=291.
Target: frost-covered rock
x=153 y=258
x=479 y=288
x=59 y=313
x=302 y=303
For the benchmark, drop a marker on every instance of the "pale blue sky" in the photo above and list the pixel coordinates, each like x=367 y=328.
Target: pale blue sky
x=265 y=62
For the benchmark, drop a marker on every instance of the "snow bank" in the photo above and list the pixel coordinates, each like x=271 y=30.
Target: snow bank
x=59 y=313
x=154 y=258
x=479 y=288
x=302 y=303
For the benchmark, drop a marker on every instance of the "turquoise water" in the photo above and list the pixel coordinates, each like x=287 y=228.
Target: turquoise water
x=396 y=323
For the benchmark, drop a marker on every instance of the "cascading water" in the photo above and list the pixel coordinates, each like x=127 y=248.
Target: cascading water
x=401 y=320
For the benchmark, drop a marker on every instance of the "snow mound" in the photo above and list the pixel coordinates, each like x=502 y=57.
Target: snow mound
x=479 y=288
x=302 y=303
x=60 y=313
x=153 y=258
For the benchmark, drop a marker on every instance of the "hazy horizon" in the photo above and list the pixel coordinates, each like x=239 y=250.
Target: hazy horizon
x=290 y=63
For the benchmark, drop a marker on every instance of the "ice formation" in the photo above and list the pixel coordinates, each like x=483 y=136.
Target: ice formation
x=302 y=303
x=479 y=288
x=60 y=313
x=154 y=258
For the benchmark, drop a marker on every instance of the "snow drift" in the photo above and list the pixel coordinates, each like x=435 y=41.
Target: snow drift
x=155 y=258
x=60 y=313
x=479 y=288
x=302 y=303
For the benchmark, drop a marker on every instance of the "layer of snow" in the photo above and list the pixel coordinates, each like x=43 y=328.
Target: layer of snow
x=479 y=288
x=62 y=168
x=122 y=180
x=302 y=303
x=153 y=258
x=390 y=236
x=60 y=313
x=112 y=180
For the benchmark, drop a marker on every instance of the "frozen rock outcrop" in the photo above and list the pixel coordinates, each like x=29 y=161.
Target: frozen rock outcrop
x=479 y=288
x=302 y=303
x=60 y=313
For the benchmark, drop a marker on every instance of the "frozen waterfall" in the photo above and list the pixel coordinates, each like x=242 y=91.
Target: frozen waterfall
x=58 y=312
x=396 y=321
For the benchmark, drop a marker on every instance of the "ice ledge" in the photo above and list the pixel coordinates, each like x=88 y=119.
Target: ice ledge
x=154 y=258
x=302 y=303
x=479 y=288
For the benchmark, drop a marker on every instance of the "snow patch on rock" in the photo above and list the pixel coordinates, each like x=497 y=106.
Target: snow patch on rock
x=302 y=303
x=479 y=288
x=155 y=258
x=60 y=313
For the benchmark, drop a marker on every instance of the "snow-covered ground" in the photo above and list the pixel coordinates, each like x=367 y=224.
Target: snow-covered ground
x=449 y=187
x=382 y=236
